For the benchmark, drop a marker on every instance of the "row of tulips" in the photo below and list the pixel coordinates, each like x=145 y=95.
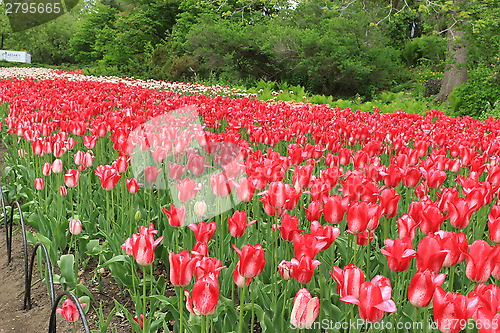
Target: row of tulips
x=77 y=75
x=281 y=197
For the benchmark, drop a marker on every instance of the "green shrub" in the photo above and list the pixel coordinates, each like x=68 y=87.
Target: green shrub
x=473 y=97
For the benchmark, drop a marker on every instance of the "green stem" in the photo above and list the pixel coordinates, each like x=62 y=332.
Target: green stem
x=181 y=309
x=203 y=324
x=242 y=303
x=144 y=297
x=368 y=249
x=253 y=311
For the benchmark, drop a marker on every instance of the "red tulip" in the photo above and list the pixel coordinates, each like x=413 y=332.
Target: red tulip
x=450 y=311
x=181 y=268
x=59 y=149
x=422 y=287
x=348 y=280
x=199 y=250
x=281 y=195
x=176 y=216
x=71 y=178
x=289 y=227
x=187 y=189
x=305 y=310
x=238 y=279
x=175 y=170
x=485 y=297
x=208 y=268
x=251 y=260
x=69 y=310
x=494 y=224
x=389 y=200
x=460 y=213
x=374 y=299
x=481 y=260
x=431 y=218
x=399 y=253
x=446 y=196
x=455 y=243
x=302 y=175
x=108 y=176
x=411 y=176
x=314 y=211
x=393 y=176
x=430 y=255
x=142 y=245
x=139 y=320
x=39 y=183
x=203 y=231
x=132 y=185
x=434 y=178
x=237 y=224
x=406 y=226
x=334 y=208
x=308 y=245
x=196 y=164
x=303 y=269
x=205 y=297
x=359 y=214
x=363 y=238
x=89 y=141
x=325 y=233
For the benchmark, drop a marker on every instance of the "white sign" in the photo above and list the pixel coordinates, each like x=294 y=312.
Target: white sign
x=15 y=56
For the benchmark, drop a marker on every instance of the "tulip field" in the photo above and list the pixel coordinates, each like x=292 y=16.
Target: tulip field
x=217 y=212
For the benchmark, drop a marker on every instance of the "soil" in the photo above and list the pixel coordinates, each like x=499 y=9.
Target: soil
x=12 y=316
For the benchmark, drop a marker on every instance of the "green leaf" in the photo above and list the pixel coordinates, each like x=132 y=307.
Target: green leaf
x=118 y=258
x=67 y=267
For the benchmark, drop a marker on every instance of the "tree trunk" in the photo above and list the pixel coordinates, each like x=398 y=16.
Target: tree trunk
x=456 y=60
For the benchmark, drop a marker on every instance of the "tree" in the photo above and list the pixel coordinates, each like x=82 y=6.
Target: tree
x=457 y=48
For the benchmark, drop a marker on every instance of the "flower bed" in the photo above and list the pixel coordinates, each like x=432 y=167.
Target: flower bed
x=268 y=217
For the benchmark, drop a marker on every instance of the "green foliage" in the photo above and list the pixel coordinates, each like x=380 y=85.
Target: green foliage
x=473 y=97
x=425 y=51
x=90 y=41
x=47 y=43
x=353 y=57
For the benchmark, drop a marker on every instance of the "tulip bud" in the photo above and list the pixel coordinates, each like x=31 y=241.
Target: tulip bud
x=57 y=166
x=75 y=226
x=46 y=169
x=63 y=191
x=21 y=152
x=200 y=208
x=137 y=216
x=39 y=183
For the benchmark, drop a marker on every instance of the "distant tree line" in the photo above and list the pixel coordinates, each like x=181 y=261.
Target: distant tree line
x=332 y=47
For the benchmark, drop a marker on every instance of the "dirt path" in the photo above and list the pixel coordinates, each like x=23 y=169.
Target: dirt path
x=12 y=316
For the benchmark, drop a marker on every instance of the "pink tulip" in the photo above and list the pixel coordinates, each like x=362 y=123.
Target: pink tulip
x=305 y=310
x=69 y=310
x=39 y=183
x=142 y=245
x=75 y=226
